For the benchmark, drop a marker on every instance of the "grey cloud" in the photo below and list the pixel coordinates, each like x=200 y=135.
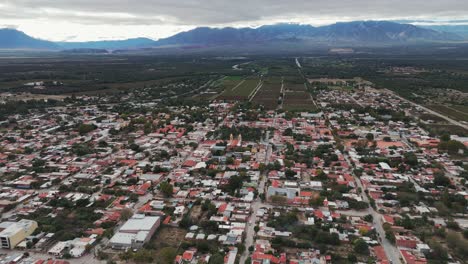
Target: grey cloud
x=225 y=12
x=9 y=26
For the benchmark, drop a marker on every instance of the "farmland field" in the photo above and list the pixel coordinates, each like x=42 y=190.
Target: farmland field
x=440 y=129
x=238 y=89
x=451 y=112
x=270 y=93
x=295 y=87
x=297 y=98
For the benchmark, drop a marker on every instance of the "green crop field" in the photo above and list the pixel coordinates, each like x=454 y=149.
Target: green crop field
x=234 y=78
x=450 y=112
x=240 y=90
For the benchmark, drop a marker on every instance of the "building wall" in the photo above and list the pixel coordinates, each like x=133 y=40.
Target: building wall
x=135 y=244
x=406 y=243
x=26 y=228
x=153 y=230
x=16 y=238
x=4 y=242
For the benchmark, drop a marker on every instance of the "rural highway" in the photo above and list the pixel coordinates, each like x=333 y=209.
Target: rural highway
x=298 y=63
x=448 y=119
x=283 y=94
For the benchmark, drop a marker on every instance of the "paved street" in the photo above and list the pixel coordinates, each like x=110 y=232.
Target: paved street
x=250 y=230
x=257 y=204
x=390 y=250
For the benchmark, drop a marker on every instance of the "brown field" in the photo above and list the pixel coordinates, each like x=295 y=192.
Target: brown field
x=30 y=96
x=296 y=87
x=168 y=237
x=269 y=93
x=440 y=129
x=461 y=108
x=196 y=213
x=427 y=117
x=450 y=112
x=298 y=101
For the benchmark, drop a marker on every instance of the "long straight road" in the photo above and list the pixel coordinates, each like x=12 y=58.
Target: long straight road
x=255 y=91
x=448 y=119
x=250 y=230
x=390 y=250
x=257 y=203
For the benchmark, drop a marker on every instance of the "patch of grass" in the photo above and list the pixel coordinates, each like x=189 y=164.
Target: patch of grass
x=241 y=90
x=300 y=107
x=440 y=129
x=234 y=78
x=450 y=112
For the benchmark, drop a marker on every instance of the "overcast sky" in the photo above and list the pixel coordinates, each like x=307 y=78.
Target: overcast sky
x=79 y=20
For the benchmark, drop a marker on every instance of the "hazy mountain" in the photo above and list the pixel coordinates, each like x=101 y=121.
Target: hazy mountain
x=14 y=39
x=461 y=30
x=109 y=44
x=381 y=32
x=363 y=32
x=217 y=36
x=86 y=51
x=359 y=32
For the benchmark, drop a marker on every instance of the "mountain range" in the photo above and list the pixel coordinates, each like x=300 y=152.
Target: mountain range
x=350 y=33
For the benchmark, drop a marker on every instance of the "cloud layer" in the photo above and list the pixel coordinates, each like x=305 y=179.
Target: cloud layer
x=105 y=17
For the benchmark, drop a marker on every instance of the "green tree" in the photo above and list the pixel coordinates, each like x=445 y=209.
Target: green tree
x=86 y=128
x=352 y=258
x=411 y=159
x=368 y=218
x=445 y=137
x=186 y=222
x=451 y=146
x=290 y=174
x=217 y=259
x=288 y=132
x=360 y=246
x=103 y=144
x=166 y=188
x=438 y=252
x=126 y=214
x=441 y=180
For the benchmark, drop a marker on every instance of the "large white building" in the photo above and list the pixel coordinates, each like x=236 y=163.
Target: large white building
x=135 y=232
x=15 y=232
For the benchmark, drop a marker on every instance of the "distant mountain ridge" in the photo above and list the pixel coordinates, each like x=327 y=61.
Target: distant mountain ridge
x=109 y=44
x=14 y=39
x=358 y=32
x=229 y=35
x=349 y=32
x=461 y=30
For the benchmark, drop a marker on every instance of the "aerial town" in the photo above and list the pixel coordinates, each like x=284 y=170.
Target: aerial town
x=358 y=180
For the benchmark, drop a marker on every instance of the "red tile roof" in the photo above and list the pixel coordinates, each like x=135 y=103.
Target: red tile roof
x=189 y=163
x=412 y=259
x=380 y=253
